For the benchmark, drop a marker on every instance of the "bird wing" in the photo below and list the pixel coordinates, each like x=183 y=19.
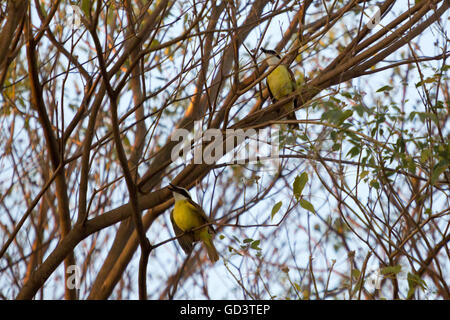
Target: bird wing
x=203 y=215
x=270 y=92
x=294 y=86
x=186 y=241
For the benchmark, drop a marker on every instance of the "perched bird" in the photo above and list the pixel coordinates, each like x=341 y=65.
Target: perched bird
x=280 y=83
x=187 y=217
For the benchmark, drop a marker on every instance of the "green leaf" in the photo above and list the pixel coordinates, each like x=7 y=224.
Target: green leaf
x=248 y=240
x=425 y=155
x=346 y=94
x=299 y=184
x=363 y=174
x=374 y=184
x=427 y=80
x=336 y=147
x=413 y=282
x=236 y=238
x=356 y=274
x=126 y=141
x=391 y=271
x=154 y=43
x=86 y=7
x=255 y=244
x=276 y=208
x=360 y=109
x=438 y=170
x=344 y=116
x=354 y=151
x=385 y=88
x=332 y=115
x=307 y=205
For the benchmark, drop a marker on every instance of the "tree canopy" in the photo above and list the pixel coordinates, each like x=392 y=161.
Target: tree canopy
x=96 y=94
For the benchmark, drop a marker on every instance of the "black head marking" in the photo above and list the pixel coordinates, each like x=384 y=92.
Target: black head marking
x=179 y=190
x=272 y=52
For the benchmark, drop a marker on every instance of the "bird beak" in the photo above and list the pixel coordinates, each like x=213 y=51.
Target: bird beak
x=171 y=187
x=263 y=50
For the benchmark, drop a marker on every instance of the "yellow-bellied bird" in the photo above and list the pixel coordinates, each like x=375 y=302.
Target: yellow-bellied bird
x=280 y=83
x=187 y=217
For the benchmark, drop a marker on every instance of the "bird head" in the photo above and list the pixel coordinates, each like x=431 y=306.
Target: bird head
x=272 y=57
x=179 y=193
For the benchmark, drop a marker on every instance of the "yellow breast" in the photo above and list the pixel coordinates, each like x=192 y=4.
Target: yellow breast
x=186 y=215
x=280 y=82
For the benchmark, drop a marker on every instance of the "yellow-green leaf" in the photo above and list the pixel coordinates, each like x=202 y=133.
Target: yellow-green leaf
x=356 y=274
x=390 y=271
x=276 y=208
x=307 y=205
x=299 y=184
x=363 y=174
x=86 y=7
x=385 y=88
x=414 y=281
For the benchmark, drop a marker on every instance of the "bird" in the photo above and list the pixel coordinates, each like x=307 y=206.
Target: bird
x=187 y=217
x=280 y=83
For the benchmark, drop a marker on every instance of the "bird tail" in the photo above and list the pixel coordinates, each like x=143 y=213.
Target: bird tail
x=211 y=249
x=290 y=115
